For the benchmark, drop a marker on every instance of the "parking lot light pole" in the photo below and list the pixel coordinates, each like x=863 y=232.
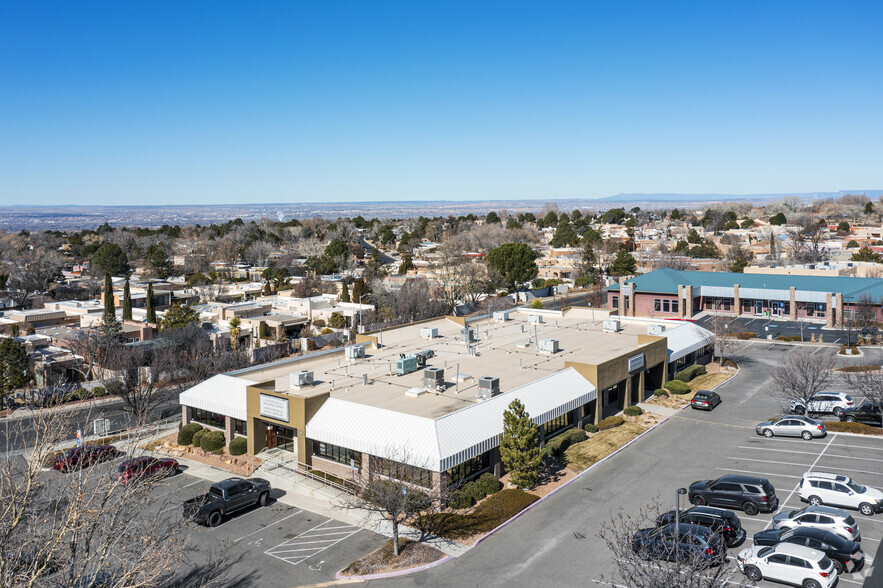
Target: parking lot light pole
x=678 y=514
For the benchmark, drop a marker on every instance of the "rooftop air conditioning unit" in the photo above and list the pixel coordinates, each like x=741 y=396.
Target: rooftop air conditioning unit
x=548 y=345
x=501 y=315
x=468 y=335
x=434 y=378
x=406 y=365
x=429 y=332
x=612 y=326
x=535 y=319
x=301 y=379
x=655 y=329
x=354 y=351
x=488 y=387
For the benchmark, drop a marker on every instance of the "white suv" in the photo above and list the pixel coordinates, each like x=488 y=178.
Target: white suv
x=822 y=403
x=825 y=518
x=822 y=488
x=788 y=563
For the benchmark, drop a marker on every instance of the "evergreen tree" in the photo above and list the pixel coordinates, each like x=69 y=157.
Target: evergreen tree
x=773 y=245
x=515 y=263
x=109 y=308
x=345 y=293
x=179 y=316
x=623 y=264
x=520 y=446
x=127 y=302
x=13 y=365
x=360 y=288
x=151 y=309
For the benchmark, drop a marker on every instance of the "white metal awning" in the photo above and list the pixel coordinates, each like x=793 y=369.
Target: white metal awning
x=685 y=339
x=221 y=394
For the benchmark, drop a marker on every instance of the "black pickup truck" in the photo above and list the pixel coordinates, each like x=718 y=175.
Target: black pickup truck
x=226 y=497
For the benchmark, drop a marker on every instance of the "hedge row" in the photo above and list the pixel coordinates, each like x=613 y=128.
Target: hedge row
x=677 y=387
x=688 y=373
x=591 y=428
x=198 y=436
x=185 y=433
x=610 y=422
x=472 y=492
x=745 y=335
x=787 y=338
x=633 y=411
x=557 y=445
x=212 y=441
x=860 y=428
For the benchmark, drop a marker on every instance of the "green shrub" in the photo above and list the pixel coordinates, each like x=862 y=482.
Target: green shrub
x=238 y=446
x=81 y=393
x=185 y=435
x=197 y=437
x=539 y=283
x=460 y=499
x=745 y=335
x=114 y=387
x=489 y=483
x=633 y=411
x=472 y=490
x=590 y=428
x=575 y=436
x=99 y=391
x=583 y=281
x=677 y=387
x=326 y=331
x=660 y=392
x=212 y=441
x=536 y=303
x=557 y=445
x=611 y=422
x=783 y=338
x=796 y=338
x=501 y=507
x=688 y=373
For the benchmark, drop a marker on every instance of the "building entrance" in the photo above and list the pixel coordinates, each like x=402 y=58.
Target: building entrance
x=281 y=438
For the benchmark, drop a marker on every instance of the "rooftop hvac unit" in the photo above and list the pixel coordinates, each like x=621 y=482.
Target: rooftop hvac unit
x=488 y=387
x=429 y=332
x=612 y=326
x=406 y=365
x=301 y=379
x=501 y=315
x=535 y=319
x=467 y=335
x=549 y=345
x=354 y=351
x=655 y=329
x=434 y=378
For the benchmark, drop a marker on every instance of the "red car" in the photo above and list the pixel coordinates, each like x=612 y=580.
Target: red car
x=145 y=468
x=80 y=457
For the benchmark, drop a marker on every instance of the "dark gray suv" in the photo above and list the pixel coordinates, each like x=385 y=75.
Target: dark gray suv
x=746 y=493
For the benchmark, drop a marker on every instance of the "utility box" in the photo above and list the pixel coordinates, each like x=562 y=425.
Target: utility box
x=354 y=351
x=406 y=365
x=501 y=315
x=548 y=345
x=612 y=326
x=429 y=332
x=424 y=355
x=535 y=319
x=434 y=378
x=301 y=379
x=467 y=335
x=656 y=330
x=488 y=387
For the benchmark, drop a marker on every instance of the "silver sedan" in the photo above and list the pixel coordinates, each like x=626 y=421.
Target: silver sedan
x=792 y=426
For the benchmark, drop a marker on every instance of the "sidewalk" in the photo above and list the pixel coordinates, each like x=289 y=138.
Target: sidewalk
x=26 y=413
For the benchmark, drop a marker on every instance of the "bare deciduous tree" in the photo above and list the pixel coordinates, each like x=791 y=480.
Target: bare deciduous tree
x=723 y=338
x=800 y=375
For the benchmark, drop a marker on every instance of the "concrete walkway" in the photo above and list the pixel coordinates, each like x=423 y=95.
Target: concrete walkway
x=27 y=413
x=657 y=409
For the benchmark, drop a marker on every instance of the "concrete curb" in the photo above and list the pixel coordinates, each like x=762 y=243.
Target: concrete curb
x=394 y=574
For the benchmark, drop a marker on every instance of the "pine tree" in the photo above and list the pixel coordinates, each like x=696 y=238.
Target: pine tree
x=345 y=293
x=109 y=308
x=773 y=245
x=520 y=446
x=151 y=309
x=127 y=302
x=13 y=365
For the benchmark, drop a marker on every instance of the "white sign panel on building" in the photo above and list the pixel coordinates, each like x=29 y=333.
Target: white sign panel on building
x=274 y=407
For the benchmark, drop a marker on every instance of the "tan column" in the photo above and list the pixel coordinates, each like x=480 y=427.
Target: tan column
x=598 y=405
x=793 y=306
x=829 y=311
x=664 y=371
x=633 y=304
x=681 y=308
x=839 y=310
x=737 y=301
x=628 y=391
x=185 y=414
x=689 y=301
x=641 y=386
x=228 y=429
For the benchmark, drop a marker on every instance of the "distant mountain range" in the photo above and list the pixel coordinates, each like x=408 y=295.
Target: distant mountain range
x=37 y=218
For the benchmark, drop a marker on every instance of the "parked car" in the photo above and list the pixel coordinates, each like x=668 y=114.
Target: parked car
x=868 y=413
x=724 y=522
x=699 y=546
x=146 y=468
x=823 y=488
x=705 y=400
x=788 y=563
x=792 y=426
x=226 y=497
x=826 y=518
x=823 y=403
x=842 y=552
x=84 y=456
x=750 y=494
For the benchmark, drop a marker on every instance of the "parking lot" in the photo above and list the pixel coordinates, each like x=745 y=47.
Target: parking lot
x=278 y=545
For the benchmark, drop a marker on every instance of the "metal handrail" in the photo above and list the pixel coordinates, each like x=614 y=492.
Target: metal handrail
x=305 y=470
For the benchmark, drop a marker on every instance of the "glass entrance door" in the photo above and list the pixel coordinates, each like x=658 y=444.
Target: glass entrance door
x=758 y=307
x=271 y=437
x=777 y=308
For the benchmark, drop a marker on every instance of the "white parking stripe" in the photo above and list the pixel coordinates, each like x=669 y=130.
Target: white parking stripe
x=861 y=447
x=812 y=453
x=840 y=470
x=759 y=473
x=801 y=477
x=193 y=483
x=311 y=542
x=268 y=525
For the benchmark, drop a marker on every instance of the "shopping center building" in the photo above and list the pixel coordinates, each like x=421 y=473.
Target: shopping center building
x=433 y=394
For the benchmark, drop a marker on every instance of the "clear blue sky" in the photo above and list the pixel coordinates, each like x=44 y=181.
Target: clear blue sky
x=225 y=102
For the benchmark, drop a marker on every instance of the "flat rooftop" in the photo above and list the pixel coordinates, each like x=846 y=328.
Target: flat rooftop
x=506 y=350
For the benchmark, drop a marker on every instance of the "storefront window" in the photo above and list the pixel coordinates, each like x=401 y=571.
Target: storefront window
x=206 y=417
x=240 y=428
x=674 y=305
x=558 y=423
x=337 y=453
x=614 y=302
x=400 y=471
x=468 y=468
